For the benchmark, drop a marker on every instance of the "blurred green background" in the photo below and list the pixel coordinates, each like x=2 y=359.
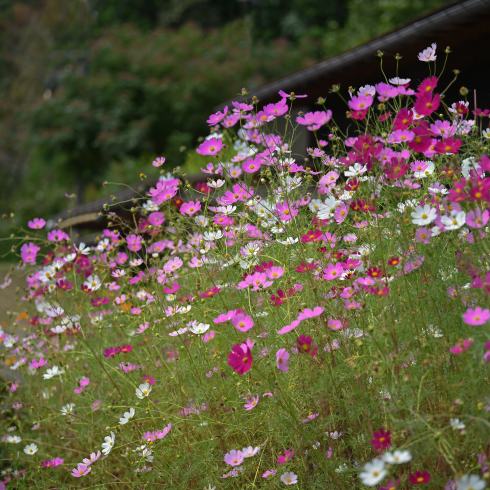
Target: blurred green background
x=93 y=90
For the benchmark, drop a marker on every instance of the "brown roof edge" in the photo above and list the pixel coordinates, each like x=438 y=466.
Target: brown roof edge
x=454 y=13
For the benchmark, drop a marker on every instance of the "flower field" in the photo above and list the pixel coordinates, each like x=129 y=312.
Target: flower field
x=317 y=320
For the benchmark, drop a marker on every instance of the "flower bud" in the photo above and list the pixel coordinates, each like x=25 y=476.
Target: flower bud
x=463 y=91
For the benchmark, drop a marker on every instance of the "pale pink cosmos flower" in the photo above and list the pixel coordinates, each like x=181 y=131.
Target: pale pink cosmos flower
x=282 y=356
x=269 y=473
x=81 y=470
x=423 y=235
x=93 y=458
x=234 y=458
x=308 y=313
x=252 y=403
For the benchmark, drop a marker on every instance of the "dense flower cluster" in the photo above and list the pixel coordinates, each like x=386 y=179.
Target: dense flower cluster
x=326 y=314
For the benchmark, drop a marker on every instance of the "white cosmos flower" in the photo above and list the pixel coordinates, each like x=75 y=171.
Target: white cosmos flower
x=454 y=221
x=127 y=416
x=93 y=282
x=68 y=409
x=82 y=249
x=58 y=329
x=14 y=439
x=423 y=215
x=397 y=457
x=470 y=482
x=216 y=184
x=355 y=170
x=226 y=209
x=108 y=443
x=327 y=207
x=486 y=133
x=200 y=328
x=456 y=424
x=70 y=257
x=289 y=478
x=289 y=241
x=30 y=449
x=373 y=473
x=51 y=372
x=143 y=390
x=248 y=452
x=315 y=205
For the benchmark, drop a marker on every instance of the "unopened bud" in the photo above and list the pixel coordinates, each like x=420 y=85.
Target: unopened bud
x=398 y=57
x=380 y=53
x=448 y=50
x=463 y=91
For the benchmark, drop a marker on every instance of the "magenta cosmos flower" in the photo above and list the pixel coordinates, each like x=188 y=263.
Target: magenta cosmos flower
x=382 y=440
x=461 y=346
x=234 y=458
x=240 y=358
x=210 y=147
x=288 y=456
x=419 y=477
x=476 y=316
x=282 y=356
x=306 y=345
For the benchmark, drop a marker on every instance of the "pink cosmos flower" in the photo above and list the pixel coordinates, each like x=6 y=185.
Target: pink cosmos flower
x=52 y=463
x=156 y=218
x=211 y=146
x=190 y=208
x=477 y=219
x=306 y=345
x=423 y=235
x=286 y=211
x=291 y=96
x=242 y=322
x=269 y=473
x=361 y=102
x=252 y=165
x=81 y=470
x=386 y=91
x=334 y=324
x=93 y=458
x=240 y=358
x=461 y=346
x=36 y=224
x=134 y=242
x=37 y=364
x=289 y=328
x=282 y=356
x=158 y=162
x=234 y=458
x=252 y=403
x=57 y=236
x=476 y=316
x=218 y=117
x=333 y=271
x=83 y=383
x=308 y=313
x=274 y=272
x=288 y=456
